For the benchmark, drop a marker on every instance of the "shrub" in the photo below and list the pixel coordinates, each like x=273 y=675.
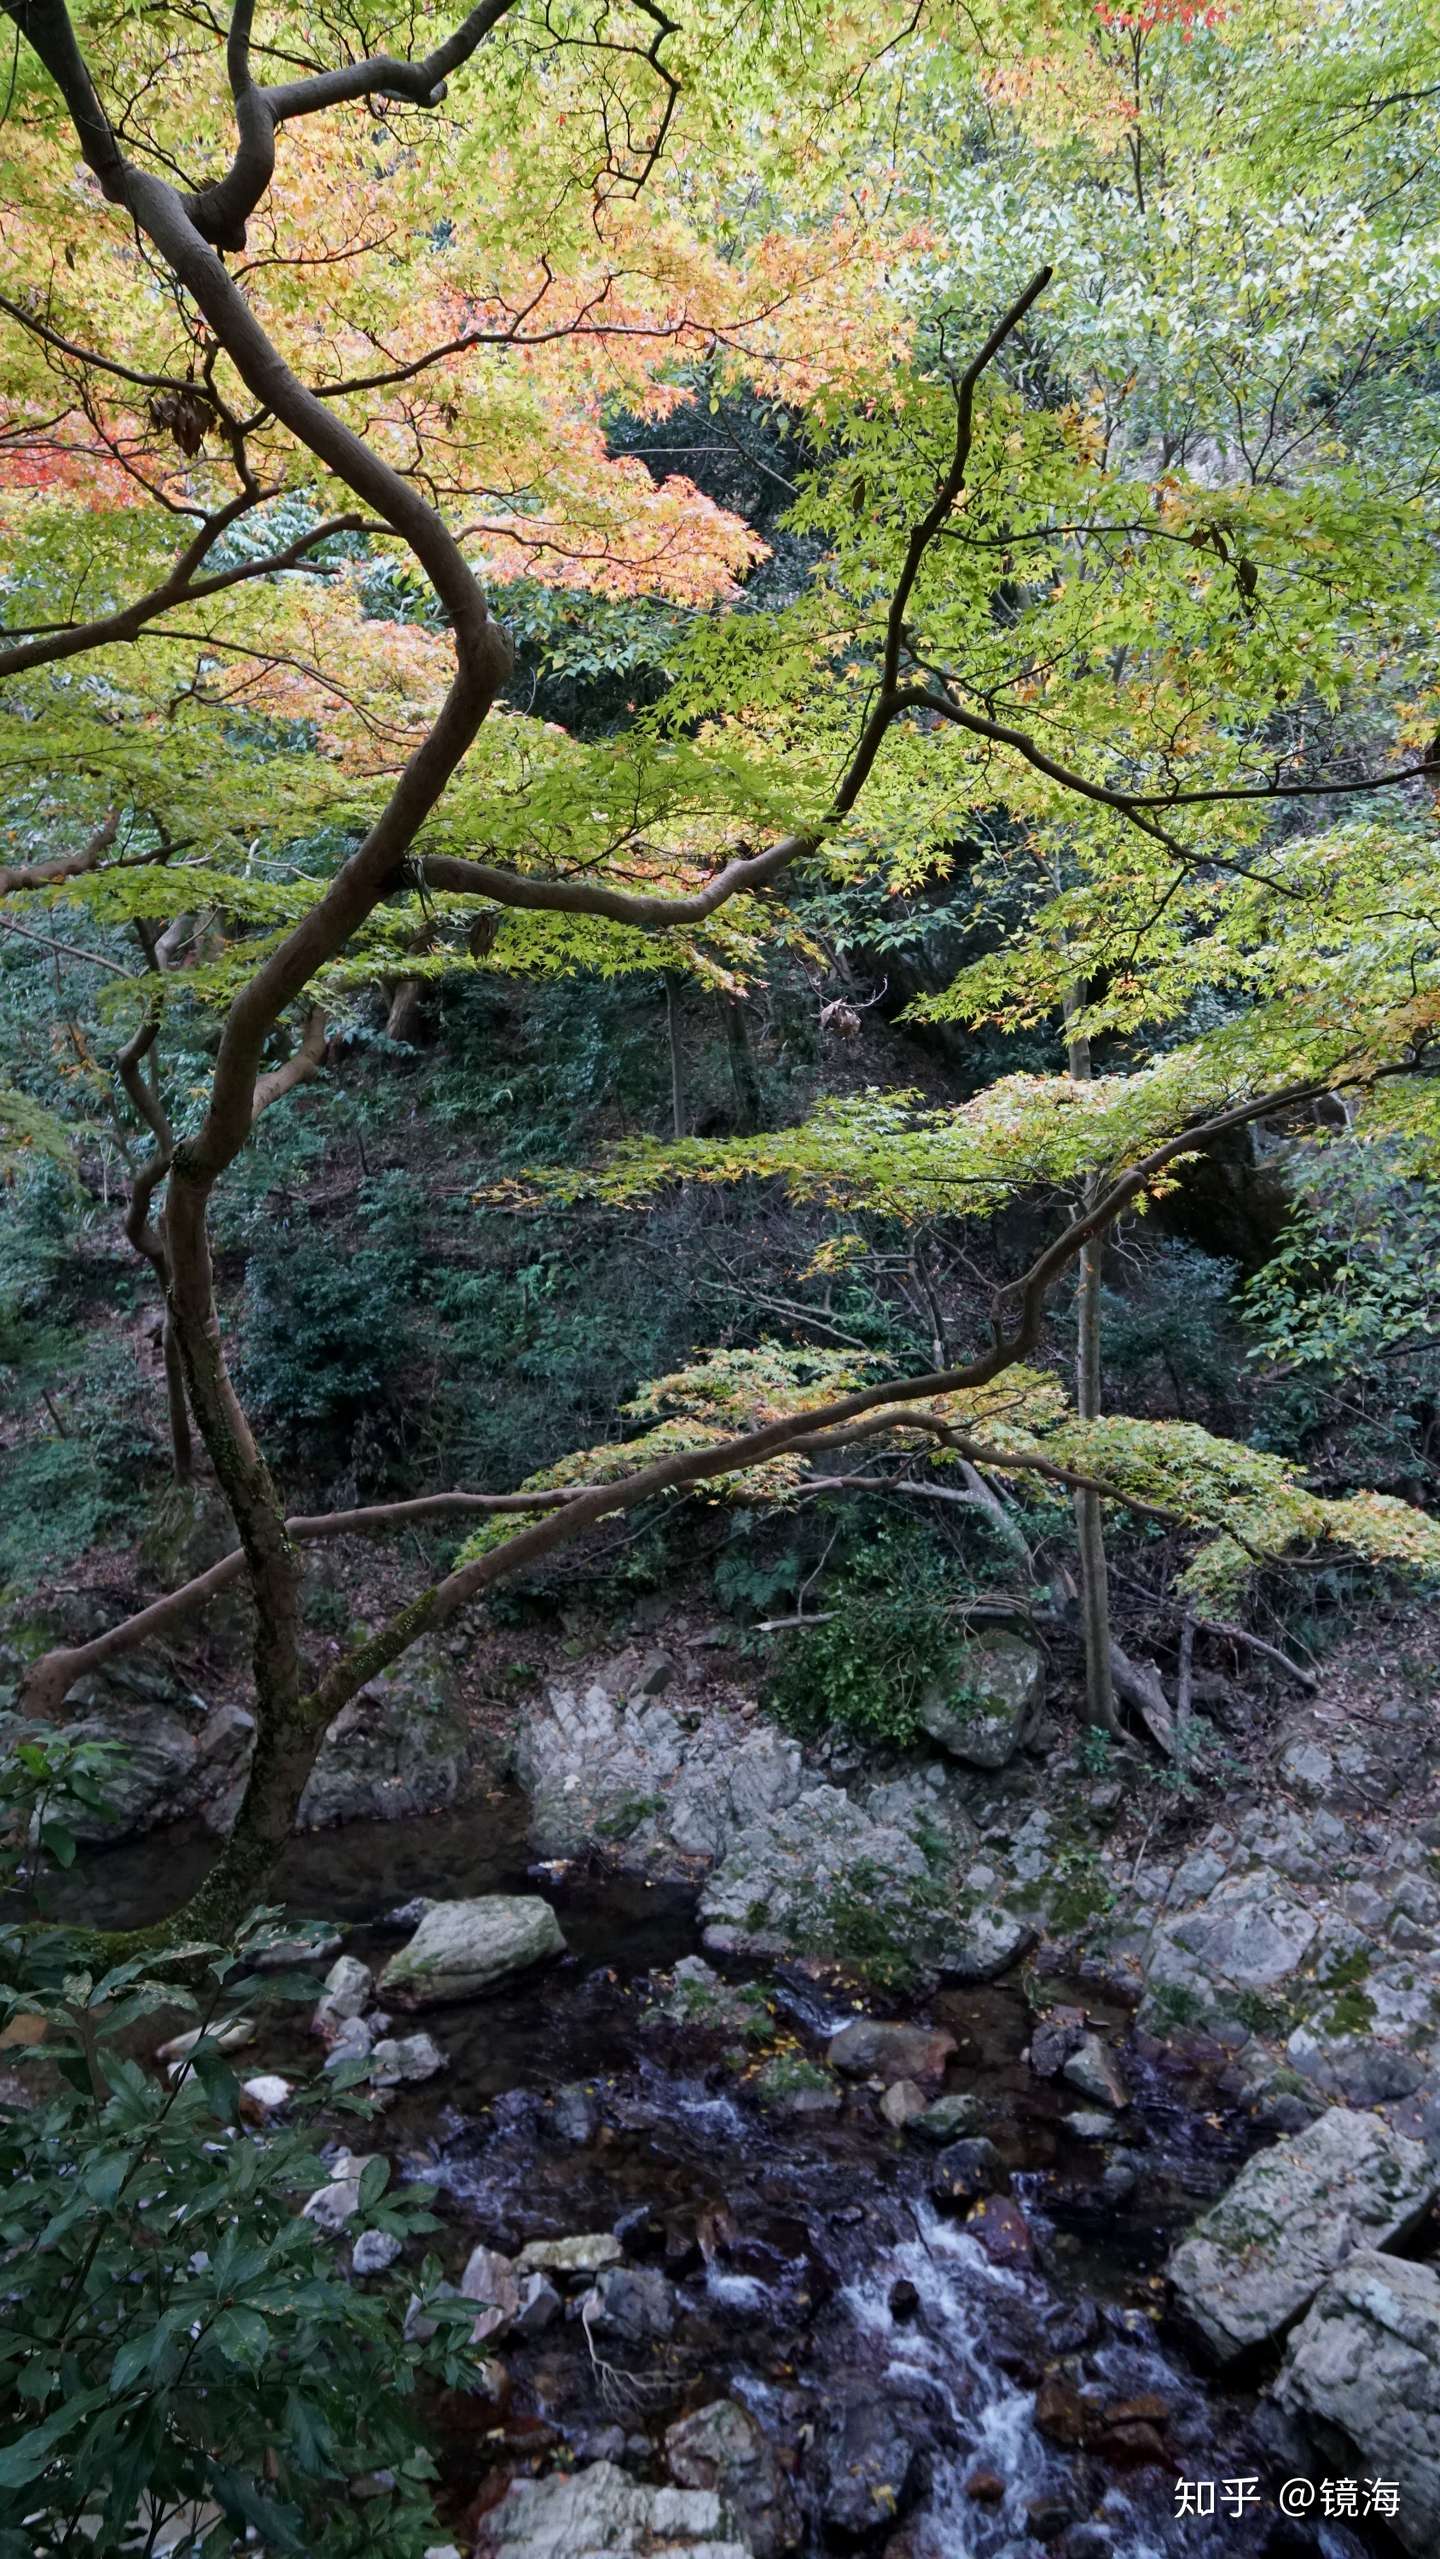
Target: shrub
x=180 y=2363
x=885 y=1638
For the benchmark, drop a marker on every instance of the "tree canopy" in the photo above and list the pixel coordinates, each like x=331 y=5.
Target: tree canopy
x=1097 y=614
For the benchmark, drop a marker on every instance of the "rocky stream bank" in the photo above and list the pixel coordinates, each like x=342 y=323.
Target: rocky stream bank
x=849 y=2152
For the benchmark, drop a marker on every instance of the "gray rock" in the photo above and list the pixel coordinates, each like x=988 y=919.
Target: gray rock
x=330 y=2207
x=1055 y=2037
x=1293 y=2215
x=765 y=1777
x=890 y=2049
x=463 y=1947
x=1092 y=2069
x=601 y=2510
x=949 y=2119
x=373 y=2252
x=723 y=2448
x=1249 y=1933
x=576 y=2116
x=297 y=1950
x=538 y=2307
x=397 y=1750
x=817 y=1877
x=179 y=1755
x=983 y=1943
x=901 y=2103
x=964 y=2171
x=404 y=2058
x=658 y=1783
x=265 y=2095
x=491 y=2280
x=1309 y=1768
x=1088 y=2127
x=870 y=2467
x=633 y=2302
x=1358 y=2068
x=1362 y=2373
x=981 y=1713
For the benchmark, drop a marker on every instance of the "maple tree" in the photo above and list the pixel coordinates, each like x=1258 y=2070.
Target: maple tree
x=315 y=347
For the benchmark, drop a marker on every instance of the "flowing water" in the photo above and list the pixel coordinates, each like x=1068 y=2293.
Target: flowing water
x=786 y=2237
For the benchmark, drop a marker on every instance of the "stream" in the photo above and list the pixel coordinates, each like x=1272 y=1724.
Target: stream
x=815 y=2280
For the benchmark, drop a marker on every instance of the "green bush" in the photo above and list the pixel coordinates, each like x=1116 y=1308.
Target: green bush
x=885 y=1637
x=181 y=2365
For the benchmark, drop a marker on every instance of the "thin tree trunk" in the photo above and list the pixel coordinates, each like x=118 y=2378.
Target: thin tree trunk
x=677 y=1062
x=742 y=1066
x=1100 y=1707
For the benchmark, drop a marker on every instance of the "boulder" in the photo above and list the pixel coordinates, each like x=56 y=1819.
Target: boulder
x=877 y=2047
x=964 y=2172
x=1250 y=1934
x=870 y=2465
x=788 y=2084
x=601 y=2510
x=658 y=1783
x=397 y=1750
x=180 y=1754
x=330 y=2207
x=575 y=2116
x=633 y=2302
x=463 y=1947
x=981 y=1944
x=723 y=2448
x=949 y=2118
x=1260 y=2255
x=980 y=1712
x=1056 y=2036
x=1362 y=2373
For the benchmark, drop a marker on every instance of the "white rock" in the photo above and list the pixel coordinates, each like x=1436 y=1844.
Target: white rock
x=225 y=2039
x=351 y=2042
x=267 y=2094
x=373 y=2251
x=583 y=2254
x=347 y=1988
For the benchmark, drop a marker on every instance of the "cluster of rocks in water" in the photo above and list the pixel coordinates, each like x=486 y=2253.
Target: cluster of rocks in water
x=1290 y=2277
x=1292 y=1951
